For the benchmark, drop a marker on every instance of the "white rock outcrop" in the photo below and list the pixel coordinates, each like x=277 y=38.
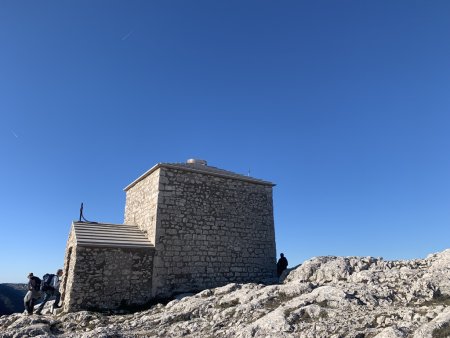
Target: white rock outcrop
x=356 y=297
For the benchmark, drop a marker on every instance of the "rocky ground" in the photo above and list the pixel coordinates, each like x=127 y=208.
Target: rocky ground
x=358 y=297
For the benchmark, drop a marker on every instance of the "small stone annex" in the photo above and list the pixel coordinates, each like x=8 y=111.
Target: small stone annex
x=188 y=227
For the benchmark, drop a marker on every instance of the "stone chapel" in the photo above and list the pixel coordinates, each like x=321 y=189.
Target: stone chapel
x=188 y=227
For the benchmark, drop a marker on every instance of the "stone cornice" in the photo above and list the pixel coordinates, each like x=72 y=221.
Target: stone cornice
x=206 y=170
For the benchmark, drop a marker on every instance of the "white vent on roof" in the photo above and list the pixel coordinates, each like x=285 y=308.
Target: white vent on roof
x=196 y=161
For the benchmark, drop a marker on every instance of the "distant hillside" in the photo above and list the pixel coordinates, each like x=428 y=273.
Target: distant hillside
x=11 y=298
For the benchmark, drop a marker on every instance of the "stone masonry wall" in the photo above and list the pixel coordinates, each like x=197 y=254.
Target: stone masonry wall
x=211 y=231
x=108 y=278
x=141 y=204
x=68 y=275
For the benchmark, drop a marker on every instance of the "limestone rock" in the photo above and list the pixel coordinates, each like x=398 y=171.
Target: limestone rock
x=324 y=297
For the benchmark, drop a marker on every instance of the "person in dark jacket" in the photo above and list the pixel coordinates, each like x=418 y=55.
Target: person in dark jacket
x=53 y=290
x=33 y=293
x=282 y=264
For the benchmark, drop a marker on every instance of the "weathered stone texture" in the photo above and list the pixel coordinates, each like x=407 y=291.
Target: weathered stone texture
x=141 y=204
x=206 y=227
x=108 y=278
x=325 y=297
x=211 y=231
x=68 y=276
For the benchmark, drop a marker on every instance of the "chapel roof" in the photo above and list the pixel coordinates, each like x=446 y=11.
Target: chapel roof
x=200 y=168
x=110 y=235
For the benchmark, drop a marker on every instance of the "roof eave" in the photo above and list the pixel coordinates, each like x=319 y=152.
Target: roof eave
x=109 y=245
x=195 y=170
x=144 y=175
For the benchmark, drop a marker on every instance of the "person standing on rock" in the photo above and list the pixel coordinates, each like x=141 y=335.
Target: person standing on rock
x=34 y=285
x=282 y=264
x=50 y=287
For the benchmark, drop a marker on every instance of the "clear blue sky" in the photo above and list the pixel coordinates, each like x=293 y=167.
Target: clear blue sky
x=345 y=105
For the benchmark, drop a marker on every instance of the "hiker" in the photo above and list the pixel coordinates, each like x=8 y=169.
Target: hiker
x=50 y=287
x=282 y=264
x=34 y=285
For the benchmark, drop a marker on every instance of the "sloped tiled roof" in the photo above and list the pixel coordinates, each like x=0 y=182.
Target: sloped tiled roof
x=110 y=235
x=200 y=168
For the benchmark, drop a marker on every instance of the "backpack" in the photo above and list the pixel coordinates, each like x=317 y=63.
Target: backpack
x=46 y=284
x=35 y=283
